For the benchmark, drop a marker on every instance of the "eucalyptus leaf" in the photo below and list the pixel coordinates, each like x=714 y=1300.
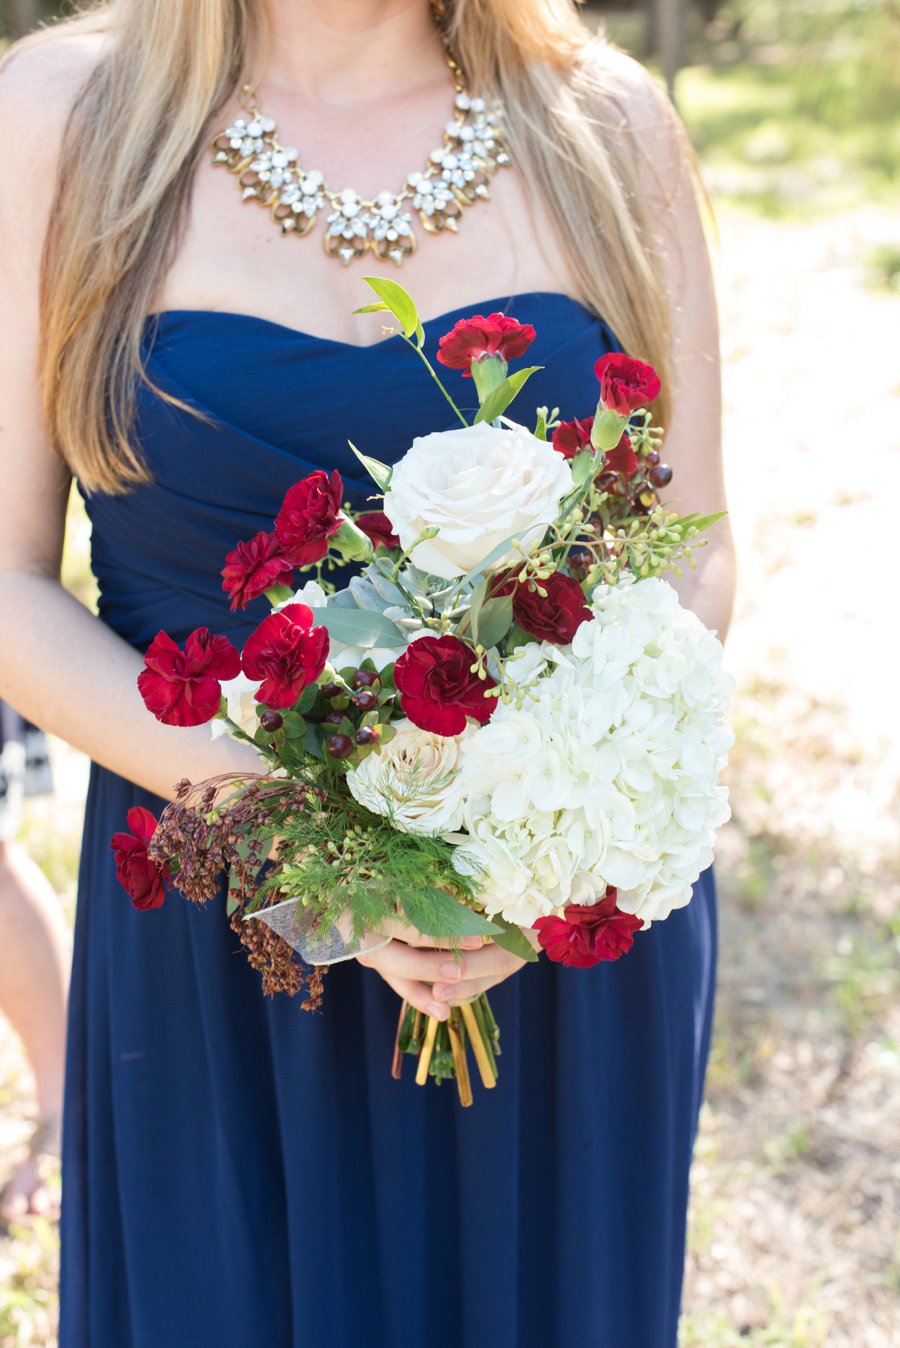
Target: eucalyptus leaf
x=496 y=403
x=479 y=594
x=494 y=620
x=397 y=300
x=436 y=913
x=380 y=473
x=513 y=939
x=493 y=556
x=358 y=627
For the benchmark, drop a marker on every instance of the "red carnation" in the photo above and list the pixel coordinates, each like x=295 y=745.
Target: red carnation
x=555 y=618
x=287 y=653
x=588 y=935
x=182 y=687
x=142 y=878
x=626 y=384
x=438 y=690
x=309 y=515
x=475 y=338
x=376 y=526
x=571 y=437
x=622 y=459
x=254 y=567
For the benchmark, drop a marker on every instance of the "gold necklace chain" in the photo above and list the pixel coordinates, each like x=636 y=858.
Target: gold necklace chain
x=456 y=175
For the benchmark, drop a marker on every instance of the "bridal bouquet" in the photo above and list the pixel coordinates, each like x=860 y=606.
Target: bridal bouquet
x=504 y=726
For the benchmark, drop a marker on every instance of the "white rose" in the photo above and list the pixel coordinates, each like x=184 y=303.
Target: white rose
x=242 y=706
x=311 y=594
x=413 y=780
x=478 y=485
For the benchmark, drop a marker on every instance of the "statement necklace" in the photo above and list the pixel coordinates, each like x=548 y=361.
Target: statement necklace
x=456 y=175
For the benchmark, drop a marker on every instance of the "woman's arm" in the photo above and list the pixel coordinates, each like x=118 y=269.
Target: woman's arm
x=59 y=665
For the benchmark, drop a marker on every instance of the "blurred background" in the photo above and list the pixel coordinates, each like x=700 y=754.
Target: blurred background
x=794 y=107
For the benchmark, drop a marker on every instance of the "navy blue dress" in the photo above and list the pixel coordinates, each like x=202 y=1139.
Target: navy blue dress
x=238 y=1172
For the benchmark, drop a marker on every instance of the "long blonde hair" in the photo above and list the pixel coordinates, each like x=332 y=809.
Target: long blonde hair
x=142 y=119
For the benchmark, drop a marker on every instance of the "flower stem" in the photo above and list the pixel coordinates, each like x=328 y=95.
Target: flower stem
x=458 y=1048
x=480 y=1047
x=430 y=368
x=431 y=1029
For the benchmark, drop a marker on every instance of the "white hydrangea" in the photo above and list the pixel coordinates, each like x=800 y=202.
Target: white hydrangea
x=413 y=780
x=608 y=772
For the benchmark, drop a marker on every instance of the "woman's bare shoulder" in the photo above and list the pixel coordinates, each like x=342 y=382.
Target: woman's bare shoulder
x=641 y=109
x=39 y=83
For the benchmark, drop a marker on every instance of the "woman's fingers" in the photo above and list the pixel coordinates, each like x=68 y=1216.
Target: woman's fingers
x=483 y=969
x=398 y=960
x=419 y=995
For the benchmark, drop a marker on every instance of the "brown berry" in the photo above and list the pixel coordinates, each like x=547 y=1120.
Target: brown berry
x=653 y=457
x=366 y=700
x=331 y=691
x=368 y=734
x=366 y=678
x=339 y=746
x=660 y=475
x=333 y=718
x=271 y=721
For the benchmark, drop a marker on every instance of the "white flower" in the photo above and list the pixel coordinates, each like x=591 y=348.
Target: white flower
x=608 y=773
x=413 y=780
x=242 y=706
x=479 y=486
x=311 y=594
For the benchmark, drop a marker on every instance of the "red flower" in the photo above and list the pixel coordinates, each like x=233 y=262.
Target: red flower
x=438 y=690
x=571 y=437
x=182 y=687
x=475 y=338
x=622 y=459
x=625 y=384
x=588 y=935
x=309 y=515
x=555 y=618
x=287 y=653
x=376 y=526
x=253 y=567
x=142 y=878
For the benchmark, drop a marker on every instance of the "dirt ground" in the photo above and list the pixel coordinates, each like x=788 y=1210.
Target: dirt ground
x=797 y=1176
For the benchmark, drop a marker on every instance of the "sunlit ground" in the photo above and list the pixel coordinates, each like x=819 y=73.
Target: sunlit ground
x=797 y=1176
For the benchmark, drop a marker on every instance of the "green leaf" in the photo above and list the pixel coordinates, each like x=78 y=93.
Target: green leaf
x=307 y=699
x=397 y=300
x=380 y=473
x=584 y=466
x=435 y=913
x=479 y=594
x=379 y=307
x=513 y=939
x=494 y=620
x=540 y=430
x=496 y=403
x=359 y=627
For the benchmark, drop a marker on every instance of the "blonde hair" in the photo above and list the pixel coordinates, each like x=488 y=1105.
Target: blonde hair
x=108 y=250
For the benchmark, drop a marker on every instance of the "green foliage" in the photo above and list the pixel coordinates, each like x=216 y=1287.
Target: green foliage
x=496 y=403
x=352 y=865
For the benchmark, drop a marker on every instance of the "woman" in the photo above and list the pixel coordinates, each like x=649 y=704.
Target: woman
x=235 y=1171
x=34 y=968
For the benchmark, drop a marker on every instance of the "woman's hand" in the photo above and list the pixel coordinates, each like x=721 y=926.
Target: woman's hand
x=431 y=978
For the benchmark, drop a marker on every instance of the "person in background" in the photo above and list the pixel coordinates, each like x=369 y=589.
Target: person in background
x=35 y=954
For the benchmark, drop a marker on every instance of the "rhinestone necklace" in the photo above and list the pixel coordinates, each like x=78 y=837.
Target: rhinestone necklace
x=456 y=175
